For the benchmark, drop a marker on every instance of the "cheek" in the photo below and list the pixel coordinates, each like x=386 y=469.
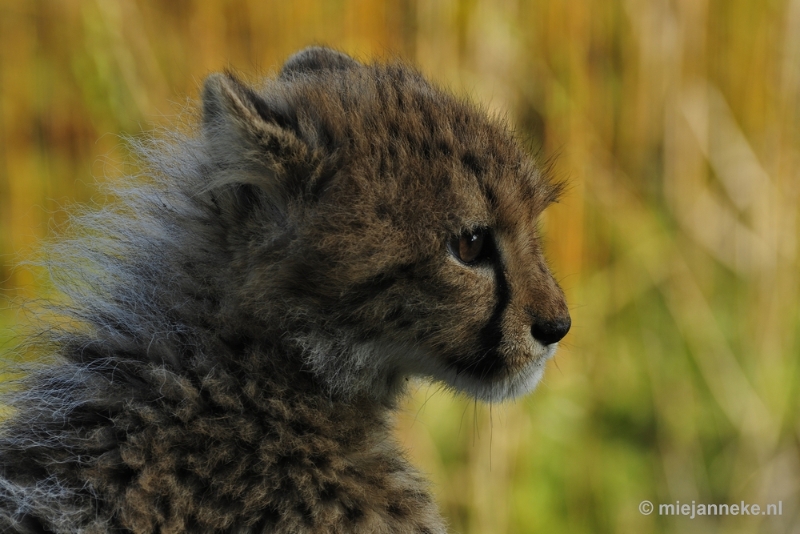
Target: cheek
x=516 y=323
x=464 y=303
x=517 y=345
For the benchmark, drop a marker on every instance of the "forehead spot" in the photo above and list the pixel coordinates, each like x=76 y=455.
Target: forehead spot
x=490 y=195
x=472 y=163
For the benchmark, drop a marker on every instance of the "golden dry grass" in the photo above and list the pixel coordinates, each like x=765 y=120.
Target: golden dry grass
x=676 y=123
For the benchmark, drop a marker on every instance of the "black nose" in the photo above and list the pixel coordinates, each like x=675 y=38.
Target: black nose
x=548 y=332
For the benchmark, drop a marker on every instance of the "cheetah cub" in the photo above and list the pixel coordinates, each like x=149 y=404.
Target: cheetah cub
x=243 y=322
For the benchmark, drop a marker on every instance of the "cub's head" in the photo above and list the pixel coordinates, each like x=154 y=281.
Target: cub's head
x=383 y=228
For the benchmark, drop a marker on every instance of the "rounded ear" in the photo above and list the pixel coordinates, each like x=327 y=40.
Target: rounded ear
x=315 y=58
x=222 y=94
x=226 y=99
x=252 y=139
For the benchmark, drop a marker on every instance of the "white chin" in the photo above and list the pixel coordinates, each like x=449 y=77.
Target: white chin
x=523 y=381
x=368 y=361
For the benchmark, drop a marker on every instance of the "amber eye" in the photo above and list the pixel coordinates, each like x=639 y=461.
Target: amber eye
x=470 y=247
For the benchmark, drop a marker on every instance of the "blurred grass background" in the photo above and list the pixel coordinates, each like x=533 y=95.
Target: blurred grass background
x=676 y=123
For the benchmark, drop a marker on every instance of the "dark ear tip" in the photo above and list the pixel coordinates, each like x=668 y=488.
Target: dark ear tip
x=315 y=58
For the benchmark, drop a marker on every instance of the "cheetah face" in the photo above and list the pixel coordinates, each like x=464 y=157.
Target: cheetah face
x=388 y=227
x=500 y=351
x=499 y=314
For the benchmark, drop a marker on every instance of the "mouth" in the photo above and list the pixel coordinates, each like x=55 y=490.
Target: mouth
x=504 y=373
x=497 y=377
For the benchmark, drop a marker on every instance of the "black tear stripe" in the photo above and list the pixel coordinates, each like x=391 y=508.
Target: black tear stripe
x=488 y=362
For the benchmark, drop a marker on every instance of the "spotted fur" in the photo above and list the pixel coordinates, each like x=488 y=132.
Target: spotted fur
x=241 y=324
